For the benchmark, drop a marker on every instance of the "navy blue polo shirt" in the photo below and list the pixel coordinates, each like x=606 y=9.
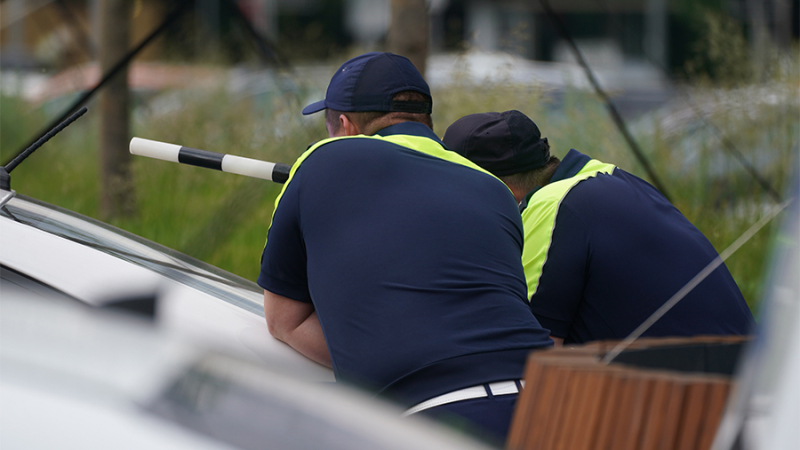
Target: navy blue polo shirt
x=618 y=251
x=412 y=263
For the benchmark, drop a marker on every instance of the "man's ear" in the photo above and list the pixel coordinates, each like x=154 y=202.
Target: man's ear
x=349 y=128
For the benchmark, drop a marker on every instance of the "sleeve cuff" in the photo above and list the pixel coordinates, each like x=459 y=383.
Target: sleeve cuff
x=289 y=290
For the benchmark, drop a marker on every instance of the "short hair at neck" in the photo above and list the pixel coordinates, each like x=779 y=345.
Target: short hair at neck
x=527 y=181
x=370 y=122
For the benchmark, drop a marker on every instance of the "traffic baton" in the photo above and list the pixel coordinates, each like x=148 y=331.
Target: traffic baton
x=255 y=168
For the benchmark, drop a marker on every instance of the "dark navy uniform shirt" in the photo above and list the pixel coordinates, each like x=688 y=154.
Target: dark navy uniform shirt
x=412 y=263
x=617 y=251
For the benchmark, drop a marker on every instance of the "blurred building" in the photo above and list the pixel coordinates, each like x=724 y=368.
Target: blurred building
x=609 y=32
x=58 y=33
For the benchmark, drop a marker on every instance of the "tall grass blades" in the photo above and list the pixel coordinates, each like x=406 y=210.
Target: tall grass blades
x=223 y=218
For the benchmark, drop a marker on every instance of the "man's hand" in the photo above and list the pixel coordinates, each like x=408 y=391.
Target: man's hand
x=296 y=324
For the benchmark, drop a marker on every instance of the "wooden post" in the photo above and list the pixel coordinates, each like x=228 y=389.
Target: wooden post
x=117 y=191
x=408 y=31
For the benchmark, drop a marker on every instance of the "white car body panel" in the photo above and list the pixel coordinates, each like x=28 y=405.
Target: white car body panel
x=63 y=416
x=72 y=380
x=75 y=377
x=96 y=277
x=74 y=269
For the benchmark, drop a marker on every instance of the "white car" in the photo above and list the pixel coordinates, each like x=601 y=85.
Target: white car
x=83 y=378
x=47 y=249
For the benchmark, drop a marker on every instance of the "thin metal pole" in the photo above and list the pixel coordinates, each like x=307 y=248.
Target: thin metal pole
x=727 y=144
x=615 y=116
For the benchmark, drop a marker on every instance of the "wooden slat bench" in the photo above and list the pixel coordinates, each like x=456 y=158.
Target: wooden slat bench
x=659 y=394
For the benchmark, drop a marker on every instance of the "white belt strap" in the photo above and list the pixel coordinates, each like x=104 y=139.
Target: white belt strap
x=497 y=388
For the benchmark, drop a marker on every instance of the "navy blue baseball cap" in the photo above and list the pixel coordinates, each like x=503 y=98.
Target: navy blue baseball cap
x=368 y=82
x=502 y=143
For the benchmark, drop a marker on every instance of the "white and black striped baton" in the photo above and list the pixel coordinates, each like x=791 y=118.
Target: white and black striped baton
x=276 y=172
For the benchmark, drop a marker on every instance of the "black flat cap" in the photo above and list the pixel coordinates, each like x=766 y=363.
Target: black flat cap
x=503 y=143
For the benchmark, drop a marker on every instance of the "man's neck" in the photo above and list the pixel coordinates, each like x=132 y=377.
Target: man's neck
x=519 y=194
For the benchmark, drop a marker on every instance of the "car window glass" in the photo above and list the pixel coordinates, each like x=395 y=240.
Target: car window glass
x=129 y=247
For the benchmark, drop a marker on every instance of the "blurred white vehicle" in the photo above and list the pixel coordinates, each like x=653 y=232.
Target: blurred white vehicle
x=83 y=378
x=49 y=250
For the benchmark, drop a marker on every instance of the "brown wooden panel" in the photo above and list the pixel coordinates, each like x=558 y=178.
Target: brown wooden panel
x=692 y=414
x=672 y=414
x=715 y=407
x=623 y=418
x=627 y=437
x=575 y=390
x=588 y=418
x=579 y=390
x=558 y=408
x=656 y=414
x=608 y=412
x=573 y=402
x=547 y=395
x=526 y=403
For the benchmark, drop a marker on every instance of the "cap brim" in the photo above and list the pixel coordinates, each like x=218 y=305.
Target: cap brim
x=314 y=107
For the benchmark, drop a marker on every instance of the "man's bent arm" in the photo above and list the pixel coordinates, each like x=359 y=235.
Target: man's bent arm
x=296 y=324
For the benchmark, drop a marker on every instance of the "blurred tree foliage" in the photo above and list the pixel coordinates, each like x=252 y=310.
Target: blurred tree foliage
x=313 y=37
x=303 y=34
x=709 y=43
x=721 y=53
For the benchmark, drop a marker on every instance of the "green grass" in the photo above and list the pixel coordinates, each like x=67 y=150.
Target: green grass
x=223 y=218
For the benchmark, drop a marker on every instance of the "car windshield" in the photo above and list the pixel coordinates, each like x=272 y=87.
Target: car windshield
x=137 y=250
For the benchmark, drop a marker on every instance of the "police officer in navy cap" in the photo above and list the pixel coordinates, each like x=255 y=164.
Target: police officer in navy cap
x=603 y=249
x=397 y=262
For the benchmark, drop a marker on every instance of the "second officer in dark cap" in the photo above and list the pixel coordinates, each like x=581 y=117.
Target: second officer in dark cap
x=603 y=248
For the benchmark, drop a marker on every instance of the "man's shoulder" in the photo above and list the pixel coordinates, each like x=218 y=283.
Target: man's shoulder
x=557 y=190
x=342 y=148
x=577 y=191
x=354 y=144
x=545 y=201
